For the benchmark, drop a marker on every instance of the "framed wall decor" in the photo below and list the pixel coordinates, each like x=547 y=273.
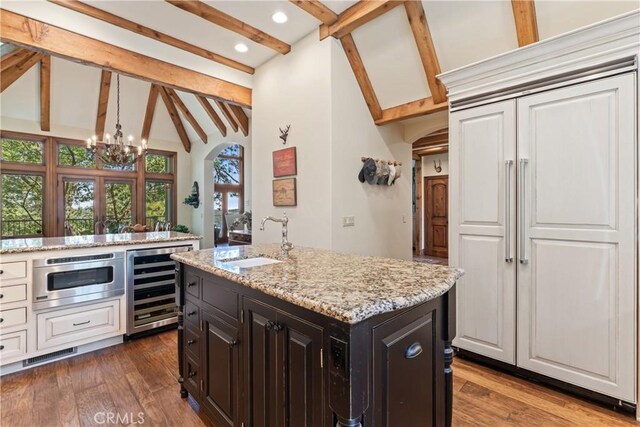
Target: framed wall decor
x=284 y=162
x=284 y=192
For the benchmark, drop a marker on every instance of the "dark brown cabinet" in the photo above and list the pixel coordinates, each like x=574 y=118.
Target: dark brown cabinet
x=252 y=360
x=284 y=367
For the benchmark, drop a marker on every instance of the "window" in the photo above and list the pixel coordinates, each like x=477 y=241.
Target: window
x=75 y=193
x=159 y=201
x=22 y=204
x=21 y=151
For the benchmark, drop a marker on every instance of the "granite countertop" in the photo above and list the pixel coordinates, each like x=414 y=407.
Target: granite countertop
x=38 y=244
x=346 y=287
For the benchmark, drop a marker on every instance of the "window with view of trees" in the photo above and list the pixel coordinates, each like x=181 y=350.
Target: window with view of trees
x=228 y=172
x=54 y=187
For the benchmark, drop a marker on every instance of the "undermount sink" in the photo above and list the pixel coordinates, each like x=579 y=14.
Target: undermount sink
x=252 y=262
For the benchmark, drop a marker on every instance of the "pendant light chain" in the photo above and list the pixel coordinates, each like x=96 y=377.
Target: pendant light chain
x=117 y=98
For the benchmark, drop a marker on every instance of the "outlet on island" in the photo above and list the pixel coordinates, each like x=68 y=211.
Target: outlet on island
x=348 y=221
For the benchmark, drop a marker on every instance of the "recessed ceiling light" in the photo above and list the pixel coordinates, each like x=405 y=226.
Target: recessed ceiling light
x=279 y=18
x=241 y=47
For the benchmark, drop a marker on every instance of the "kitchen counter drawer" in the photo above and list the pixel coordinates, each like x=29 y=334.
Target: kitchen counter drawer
x=14 y=293
x=78 y=323
x=13 y=270
x=12 y=345
x=13 y=317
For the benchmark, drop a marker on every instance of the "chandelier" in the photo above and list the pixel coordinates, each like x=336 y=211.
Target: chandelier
x=117 y=152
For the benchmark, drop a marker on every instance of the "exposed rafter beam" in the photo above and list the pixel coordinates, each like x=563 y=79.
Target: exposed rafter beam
x=227 y=113
x=524 y=13
x=187 y=114
x=212 y=114
x=150 y=111
x=224 y=20
x=409 y=110
x=103 y=103
x=45 y=93
x=14 y=57
x=432 y=150
x=175 y=118
x=318 y=10
x=102 y=15
x=422 y=36
x=430 y=141
x=357 y=66
x=27 y=32
x=11 y=74
x=357 y=15
x=241 y=119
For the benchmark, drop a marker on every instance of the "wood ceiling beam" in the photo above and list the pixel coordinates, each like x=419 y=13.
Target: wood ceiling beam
x=227 y=113
x=409 y=110
x=430 y=141
x=524 y=13
x=14 y=57
x=187 y=114
x=175 y=118
x=103 y=103
x=230 y=23
x=241 y=118
x=11 y=74
x=110 y=18
x=215 y=118
x=431 y=151
x=318 y=10
x=34 y=34
x=150 y=111
x=350 y=49
x=357 y=15
x=45 y=93
x=424 y=42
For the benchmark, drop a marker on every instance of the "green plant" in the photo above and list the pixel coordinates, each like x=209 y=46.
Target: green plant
x=181 y=228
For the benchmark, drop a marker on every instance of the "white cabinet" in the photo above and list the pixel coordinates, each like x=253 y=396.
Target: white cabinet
x=13 y=346
x=13 y=270
x=482 y=227
x=78 y=323
x=565 y=211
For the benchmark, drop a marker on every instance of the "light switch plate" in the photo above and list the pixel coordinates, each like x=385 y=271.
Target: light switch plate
x=348 y=221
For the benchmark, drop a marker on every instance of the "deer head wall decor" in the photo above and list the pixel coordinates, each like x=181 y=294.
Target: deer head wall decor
x=438 y=166
x=284 y=134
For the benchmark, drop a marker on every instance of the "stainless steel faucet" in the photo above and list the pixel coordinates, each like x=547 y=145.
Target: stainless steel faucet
x=286 y=246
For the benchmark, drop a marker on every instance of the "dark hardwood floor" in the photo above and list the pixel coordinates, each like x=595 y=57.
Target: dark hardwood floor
x=140 y=377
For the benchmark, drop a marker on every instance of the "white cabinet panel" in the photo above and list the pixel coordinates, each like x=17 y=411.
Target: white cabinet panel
x=12 y=346
x=12 y=270
x=576 y=290
x=482 y=227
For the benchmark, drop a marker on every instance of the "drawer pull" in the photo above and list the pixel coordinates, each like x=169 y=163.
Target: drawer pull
x=1 y=347
x=190 y=284
x=1 y=320
x=192 y=374
x=81 y=323
x=189 y=342
x=1 y=271
x=1 y=296
x=191 y=313
x=413 y=350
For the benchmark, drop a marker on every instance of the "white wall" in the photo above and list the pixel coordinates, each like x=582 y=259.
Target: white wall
x=313 y=89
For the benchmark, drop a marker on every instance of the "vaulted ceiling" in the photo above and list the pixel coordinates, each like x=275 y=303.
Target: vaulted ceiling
x=379 y=38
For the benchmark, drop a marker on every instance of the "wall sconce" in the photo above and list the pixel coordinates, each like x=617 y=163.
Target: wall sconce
x=194 y=197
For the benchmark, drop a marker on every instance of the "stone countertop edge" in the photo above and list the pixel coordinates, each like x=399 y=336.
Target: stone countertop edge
x=301 y=279
x=42 y=244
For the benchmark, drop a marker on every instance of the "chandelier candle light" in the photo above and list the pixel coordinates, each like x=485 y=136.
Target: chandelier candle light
x=117 y=153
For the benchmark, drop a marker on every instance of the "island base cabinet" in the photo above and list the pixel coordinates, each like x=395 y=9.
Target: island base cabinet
x=284 y=369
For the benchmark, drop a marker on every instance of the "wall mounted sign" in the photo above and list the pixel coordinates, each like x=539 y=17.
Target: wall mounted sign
x=284 y=192
x=284 y=162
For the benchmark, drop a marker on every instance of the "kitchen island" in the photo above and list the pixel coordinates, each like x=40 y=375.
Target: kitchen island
x=315 y=338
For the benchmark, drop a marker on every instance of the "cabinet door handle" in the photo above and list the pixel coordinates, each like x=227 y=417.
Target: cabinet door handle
x=191 y=313
x=269 y=325
x=190 y=284
x=278 y=327
x=189 y=342
x=413 y=350
x=523 y=209
x=192 y=374
x=82 y=323
x=233 y=343
x=507 y=210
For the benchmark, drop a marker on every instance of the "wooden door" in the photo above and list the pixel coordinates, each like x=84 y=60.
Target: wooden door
x=436 y=216
x=576 y=275
x=221 y=376
x=260 y=364
x=300 y=344
x=482 y=227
